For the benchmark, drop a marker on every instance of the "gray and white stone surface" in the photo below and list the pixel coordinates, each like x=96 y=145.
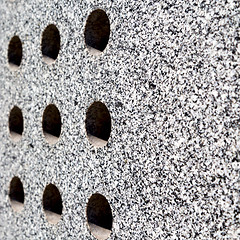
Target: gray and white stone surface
x=169 y=77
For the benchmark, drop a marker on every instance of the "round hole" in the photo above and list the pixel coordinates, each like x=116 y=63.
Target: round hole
x=98 y=124
x=50 y=44
x=99 y=216
x=51 y=123
x=15 y=123
x=16 y=194
x=97 y=31
x=15 y=53
x=52 y=204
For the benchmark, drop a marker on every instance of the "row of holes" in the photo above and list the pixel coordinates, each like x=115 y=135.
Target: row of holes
x=97 y=124
x=96 y=34
x=99 y=214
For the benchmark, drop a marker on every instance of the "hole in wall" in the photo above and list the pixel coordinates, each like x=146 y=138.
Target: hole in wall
x=50 y=44
x=99 y=216
x=15 y=124
x=16 y=194
x=52 y=204
x=98 y=124
x=51 y=123
x=97 y=31
x=14 y=53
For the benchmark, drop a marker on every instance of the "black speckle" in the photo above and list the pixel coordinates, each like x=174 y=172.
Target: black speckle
x=200 y=64
x=30 y=145
x=75 y=103
x=118 y=104
x=152 y=86
x=235 y=160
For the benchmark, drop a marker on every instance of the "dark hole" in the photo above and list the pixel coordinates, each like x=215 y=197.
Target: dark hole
x=98 y=122
x=15 y=51
x=51 y=42
x=51 y=122
x=52 y=200
x=16 y=192
x=99 y=211
x=15 y=121
x=97 y=30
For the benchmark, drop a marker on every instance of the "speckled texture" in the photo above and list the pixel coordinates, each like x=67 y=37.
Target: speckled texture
x=169 y=77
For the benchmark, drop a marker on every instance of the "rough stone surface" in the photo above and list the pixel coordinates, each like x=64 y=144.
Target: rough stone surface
x=169 y=77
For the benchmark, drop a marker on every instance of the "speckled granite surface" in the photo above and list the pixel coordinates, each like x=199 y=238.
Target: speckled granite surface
x=169 y=77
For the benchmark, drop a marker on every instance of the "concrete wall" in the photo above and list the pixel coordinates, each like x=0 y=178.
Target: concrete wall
x=120 y=124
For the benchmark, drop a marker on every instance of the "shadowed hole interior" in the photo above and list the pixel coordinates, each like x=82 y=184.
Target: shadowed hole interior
x=50 y=43
x=15 y=123
x=99 y=216
x=51 y=123
x=98 y=124
x=15 y=52
x=52 y=203
x=97 y=30
x=16 y=194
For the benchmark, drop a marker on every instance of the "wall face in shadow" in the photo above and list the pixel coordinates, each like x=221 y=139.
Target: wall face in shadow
x=163 y=156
